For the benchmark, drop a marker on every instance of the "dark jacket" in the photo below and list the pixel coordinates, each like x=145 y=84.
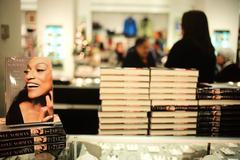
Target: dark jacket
x=229 y=73
x=189 y=54
x=133 y=60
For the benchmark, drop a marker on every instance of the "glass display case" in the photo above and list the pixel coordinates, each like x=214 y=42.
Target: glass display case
x=94 y=147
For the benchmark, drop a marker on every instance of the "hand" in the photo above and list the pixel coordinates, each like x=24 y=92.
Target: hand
x=47 y=111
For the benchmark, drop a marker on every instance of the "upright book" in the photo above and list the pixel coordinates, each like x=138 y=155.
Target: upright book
x=29 y=90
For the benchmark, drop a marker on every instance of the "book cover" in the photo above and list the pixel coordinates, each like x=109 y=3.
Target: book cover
x=124 y=71
x=125 y=108
x=173 y=78
x=124 y=78
x=29 y=90
x=123 y=84
x=175 y=102
x=174 y=114
x=25 y=141
x=113 y=120
x=173 y=72
x=124 y=96
x=173 y=126
x=173 y=120
x=122 y=114
x=123 y=126
x=124 y=90
x=123 y=132
x=38 y=148
x=173 y=90
x=7 y=132
x=174 y=108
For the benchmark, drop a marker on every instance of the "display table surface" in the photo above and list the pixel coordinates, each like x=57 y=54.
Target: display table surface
x=91 y=147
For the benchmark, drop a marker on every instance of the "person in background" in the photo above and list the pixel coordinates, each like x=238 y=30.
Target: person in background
x=195 y=49
x=227 y=69
x=139 y=55
x=120 y=52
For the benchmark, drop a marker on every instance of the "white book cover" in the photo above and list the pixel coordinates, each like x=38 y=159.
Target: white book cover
x=123 y=132
x=172 y=132
x=122 y=114
x=174 y=79
x=123 y=126
x=124 y=71
x=173 y=126
x=175 y=102
x=127 y=102
x=124 y=90
x=124 y=78
x=114 y=120
x=174 y=72
x=123 y=96
x=126 y=108
x=173 y=90
x=175 y=114
x=122 y=84
x=173 y=85
x=173 y=120
x=173 y=96
x=218 y=102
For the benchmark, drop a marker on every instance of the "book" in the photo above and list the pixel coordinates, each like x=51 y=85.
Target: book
x=124 y=71
x=172 y=132
x=218 y=102
x=38 y=148
x=123 y=84
x=173 y=120
x=123 y=126
x=123 y=96
x=219 y=97
x=124 y=91
x=123 y=132
x=25 y=141
x=126 y=102
x=174 y=114
x=173 y=85
x=173 y=126
x=113 y=120
x=122 y=114
x=173 y=96
x=175 y=102
x=28 y=79
x=173 y=72
x=174 y=108
x=173 y=78
x=20 y=132
x=173 y=90
x=125 y=108
x=124 y=78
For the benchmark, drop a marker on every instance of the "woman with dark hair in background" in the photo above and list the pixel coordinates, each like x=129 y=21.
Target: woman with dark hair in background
x=195 y=49
x=140 y=55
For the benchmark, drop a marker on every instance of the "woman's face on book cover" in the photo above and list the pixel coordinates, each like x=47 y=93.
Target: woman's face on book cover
x=38 y=77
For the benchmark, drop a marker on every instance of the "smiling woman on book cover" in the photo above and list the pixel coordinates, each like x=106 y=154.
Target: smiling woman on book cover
x=34 y=103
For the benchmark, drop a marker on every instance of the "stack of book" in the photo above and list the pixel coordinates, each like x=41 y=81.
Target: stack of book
x=17 y=140
x=174 y=104
x=219 y=110
x=125 y=101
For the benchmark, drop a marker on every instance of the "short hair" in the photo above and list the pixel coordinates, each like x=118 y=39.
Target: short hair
x=140 y=41
x=227 y=53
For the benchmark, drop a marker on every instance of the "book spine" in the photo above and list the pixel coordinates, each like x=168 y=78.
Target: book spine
x=173 y=108
x=31 y=149
x=11 y=133
x=31 y=141
x=218 y=91
x=218 y=97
